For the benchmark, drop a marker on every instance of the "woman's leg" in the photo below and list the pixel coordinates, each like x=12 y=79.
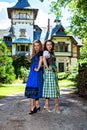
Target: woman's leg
x=37 y=103
x=47 y=105
x=32 y=104
x=56 y=105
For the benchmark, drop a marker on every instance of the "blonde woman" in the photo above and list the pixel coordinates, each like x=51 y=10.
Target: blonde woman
x=34 y=83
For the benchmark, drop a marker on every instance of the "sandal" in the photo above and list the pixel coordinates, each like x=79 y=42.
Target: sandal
x=47 y=108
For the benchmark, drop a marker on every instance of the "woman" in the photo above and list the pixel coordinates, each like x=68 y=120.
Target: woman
x=34 y=83
x=50 y=85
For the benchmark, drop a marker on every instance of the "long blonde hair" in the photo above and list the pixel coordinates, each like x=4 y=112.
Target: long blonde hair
x=33 y=50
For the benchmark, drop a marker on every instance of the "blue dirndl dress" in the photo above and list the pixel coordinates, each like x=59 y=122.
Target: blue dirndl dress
x=34 y=85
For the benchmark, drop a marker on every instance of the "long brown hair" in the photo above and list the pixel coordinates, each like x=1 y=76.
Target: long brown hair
x=33 y=50
x=45 y=48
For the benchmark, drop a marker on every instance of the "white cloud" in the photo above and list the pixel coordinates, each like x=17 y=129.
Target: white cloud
x=42 y=16
x=4 y=21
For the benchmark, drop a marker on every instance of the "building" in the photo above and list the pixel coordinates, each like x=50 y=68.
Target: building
x=67 y=50
x=23 y=31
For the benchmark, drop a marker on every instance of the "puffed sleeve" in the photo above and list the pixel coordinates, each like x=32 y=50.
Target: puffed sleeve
x=40 y=53
x=46 y=54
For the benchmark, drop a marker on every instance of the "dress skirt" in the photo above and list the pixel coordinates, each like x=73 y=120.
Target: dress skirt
x=50 y=86
x=34 y=83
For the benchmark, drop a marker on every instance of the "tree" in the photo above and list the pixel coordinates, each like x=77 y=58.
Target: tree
x=6 y=68
x=78 y=22
x=83 y=53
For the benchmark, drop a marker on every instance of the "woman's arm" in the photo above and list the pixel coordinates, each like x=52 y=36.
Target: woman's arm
x=39 y=64
x=45 y=63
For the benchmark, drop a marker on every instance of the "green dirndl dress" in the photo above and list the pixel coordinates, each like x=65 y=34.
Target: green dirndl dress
x=50 y=86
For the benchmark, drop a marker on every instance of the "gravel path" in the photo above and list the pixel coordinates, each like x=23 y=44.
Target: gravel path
x=14 y=113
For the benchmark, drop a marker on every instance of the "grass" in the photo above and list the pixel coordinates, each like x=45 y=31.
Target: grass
x=6 y=90
x=10 y=89
x=66 y=83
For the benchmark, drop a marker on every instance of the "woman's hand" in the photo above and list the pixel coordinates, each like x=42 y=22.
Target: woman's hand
x=36 y=69
x=49 y=68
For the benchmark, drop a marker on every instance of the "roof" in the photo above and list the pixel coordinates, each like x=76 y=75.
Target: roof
x=22 y=5
x=37 y=28
x=47 y=35
x=37 y=32
x=8 y=43
x=22 y=40
x=58 y=30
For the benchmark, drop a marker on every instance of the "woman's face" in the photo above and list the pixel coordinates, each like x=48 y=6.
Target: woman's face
x=49 y=46
x=37 y=47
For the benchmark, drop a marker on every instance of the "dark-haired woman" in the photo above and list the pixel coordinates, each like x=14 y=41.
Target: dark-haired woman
x=50 y=85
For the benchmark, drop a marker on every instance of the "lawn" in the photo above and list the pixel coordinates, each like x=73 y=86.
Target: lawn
x=6 y=90
x=9 y=89
x=66 y=83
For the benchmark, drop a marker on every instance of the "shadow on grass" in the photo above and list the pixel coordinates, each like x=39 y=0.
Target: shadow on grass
x=2 y=96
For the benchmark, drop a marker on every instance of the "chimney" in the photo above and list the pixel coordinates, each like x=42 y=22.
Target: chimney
x=49 y=25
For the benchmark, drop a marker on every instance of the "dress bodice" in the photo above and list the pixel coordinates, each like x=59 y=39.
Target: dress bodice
x=35 y=59
x=51 y=60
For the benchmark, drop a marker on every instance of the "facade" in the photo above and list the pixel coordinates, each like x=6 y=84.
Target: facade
x=23 y=31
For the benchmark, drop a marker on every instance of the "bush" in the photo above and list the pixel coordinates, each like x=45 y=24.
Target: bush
x=6 y=68
x=73 y=77
x=24 y=73
x=62 y=75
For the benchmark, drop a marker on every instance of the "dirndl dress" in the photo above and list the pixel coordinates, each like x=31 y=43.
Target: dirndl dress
x=34 y=85
x=50 y=85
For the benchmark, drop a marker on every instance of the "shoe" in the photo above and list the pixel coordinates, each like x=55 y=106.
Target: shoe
x=58 y=112
x=33 y=111
x=37 y=109
x=47 y=109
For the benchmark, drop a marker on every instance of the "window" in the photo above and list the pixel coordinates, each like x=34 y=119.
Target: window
x=61 y=47
x=22 y=16
x=22 y=32
x=61 y=67
x=22 y=48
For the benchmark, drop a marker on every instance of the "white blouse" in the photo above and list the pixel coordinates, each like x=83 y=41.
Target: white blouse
x=46 y=54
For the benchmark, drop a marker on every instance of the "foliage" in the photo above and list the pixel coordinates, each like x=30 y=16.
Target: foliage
x=24 y=73
x=73 y=77
x=6 y=69
x=83 y=54
x=78 y=10
x=62 y=75
x=21 y=61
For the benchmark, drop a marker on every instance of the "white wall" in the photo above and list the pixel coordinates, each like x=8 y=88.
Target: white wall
x=73 y=64
x=13 y=49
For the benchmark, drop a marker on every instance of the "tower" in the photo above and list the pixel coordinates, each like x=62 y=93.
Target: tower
x=22 y=25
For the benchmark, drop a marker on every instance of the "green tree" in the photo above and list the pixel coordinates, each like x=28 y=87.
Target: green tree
x=83 y=54
x=6 y=68
x=78 y=19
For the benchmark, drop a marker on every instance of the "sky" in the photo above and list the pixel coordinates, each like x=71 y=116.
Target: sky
x=42 y=17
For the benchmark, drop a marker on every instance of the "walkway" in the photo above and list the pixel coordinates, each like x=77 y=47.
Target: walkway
x=14 y=114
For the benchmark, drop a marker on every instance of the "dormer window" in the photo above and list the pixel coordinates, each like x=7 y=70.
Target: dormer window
x=22 y=16
x=61 y=47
